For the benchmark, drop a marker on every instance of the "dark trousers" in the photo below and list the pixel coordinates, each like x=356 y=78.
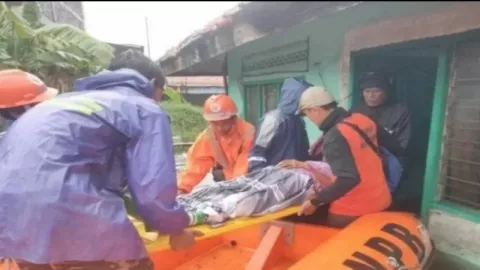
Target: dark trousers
x=322 y=217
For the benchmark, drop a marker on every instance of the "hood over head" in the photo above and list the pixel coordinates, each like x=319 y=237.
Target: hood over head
x=291 y=92
x=118 y=79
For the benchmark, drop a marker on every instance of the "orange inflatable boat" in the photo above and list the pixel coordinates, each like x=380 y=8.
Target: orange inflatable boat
x=382 y=241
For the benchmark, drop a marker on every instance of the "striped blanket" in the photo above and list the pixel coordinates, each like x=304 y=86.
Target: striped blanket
x=258 y=193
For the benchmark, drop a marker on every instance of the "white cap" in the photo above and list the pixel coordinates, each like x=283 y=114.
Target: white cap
x=314 y=96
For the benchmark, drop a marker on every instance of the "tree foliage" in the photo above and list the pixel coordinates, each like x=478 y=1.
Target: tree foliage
x=174 y=96
x=187 y=119
x=57 y=53
x=61 y=53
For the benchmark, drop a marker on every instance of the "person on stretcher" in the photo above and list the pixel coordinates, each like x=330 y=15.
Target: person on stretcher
x=258 y=193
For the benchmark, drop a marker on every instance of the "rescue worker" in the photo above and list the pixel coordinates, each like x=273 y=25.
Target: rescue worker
x=65 y=162
x=360 y=186
x=379 y=104
x=281 y=134
x=221 y=148
x=19 y=91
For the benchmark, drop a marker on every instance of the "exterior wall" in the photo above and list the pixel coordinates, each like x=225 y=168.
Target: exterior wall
x=455 y=235
x=326 y=42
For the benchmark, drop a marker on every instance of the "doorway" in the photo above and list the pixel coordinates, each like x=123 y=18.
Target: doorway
x=414 y=71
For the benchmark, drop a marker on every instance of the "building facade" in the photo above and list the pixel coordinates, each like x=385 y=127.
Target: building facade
x=433 y=50
x=196 y=89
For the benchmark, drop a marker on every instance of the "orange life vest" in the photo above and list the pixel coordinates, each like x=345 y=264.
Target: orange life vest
x=371 y=194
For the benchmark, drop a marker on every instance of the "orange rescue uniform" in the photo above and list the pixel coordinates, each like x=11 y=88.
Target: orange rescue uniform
x=202 y=157
x=371 y=194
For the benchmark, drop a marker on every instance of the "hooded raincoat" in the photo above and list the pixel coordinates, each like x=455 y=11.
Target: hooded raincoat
x=65 y=162
x=281 y=134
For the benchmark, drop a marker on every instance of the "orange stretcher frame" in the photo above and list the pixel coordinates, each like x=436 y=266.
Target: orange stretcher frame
x=161 y=243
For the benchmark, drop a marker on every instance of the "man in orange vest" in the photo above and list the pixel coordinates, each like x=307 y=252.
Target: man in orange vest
x=222 y=147
x=360 y=186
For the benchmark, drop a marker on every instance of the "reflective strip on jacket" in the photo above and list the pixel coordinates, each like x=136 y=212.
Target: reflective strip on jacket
x=201 y=156
x=65 y=162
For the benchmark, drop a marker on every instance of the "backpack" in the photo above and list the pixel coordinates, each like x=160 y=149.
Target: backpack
x=391 y=165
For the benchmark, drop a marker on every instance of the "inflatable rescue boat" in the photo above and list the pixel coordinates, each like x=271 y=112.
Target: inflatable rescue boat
x=382 y=241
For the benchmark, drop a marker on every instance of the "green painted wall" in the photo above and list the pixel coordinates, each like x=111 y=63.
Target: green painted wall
x=326 y=36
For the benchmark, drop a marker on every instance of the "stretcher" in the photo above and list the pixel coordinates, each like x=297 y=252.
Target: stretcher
x=156 y=242
x=386 y=240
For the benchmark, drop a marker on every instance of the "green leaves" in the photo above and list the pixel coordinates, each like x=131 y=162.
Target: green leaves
x=78 y=39
x=13 y=24
x=174 y=96
x=187 y=120
x=49 y=51
x=32 y=13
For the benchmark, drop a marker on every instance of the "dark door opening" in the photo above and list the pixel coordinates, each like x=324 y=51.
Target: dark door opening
x=414 y=72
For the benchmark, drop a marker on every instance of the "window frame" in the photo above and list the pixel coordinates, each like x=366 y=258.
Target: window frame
x=433 y=190
x=449 y=189
x=261 y=86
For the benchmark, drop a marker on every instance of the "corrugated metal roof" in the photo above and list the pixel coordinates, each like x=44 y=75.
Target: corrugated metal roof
x=219 y=22
x=203 y=52
x=196 y=81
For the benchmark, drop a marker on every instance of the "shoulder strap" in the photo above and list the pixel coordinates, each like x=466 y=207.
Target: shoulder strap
x=364 y=136
x=217 y=150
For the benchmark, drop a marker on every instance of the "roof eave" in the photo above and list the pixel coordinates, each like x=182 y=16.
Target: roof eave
x=204 y=54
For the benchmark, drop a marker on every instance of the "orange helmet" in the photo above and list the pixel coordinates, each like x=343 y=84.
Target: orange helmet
x=219 y=107
x=19 y=88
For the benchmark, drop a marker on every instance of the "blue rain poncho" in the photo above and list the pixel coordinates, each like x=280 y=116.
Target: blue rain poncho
x=282 y=133
x=66 y=162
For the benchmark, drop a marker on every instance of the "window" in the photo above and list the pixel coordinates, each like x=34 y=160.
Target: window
x=461 y=155
x=270 y=97
x=260 y=99
x=252 y=98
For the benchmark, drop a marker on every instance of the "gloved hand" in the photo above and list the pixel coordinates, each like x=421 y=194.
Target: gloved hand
x=197 y=218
